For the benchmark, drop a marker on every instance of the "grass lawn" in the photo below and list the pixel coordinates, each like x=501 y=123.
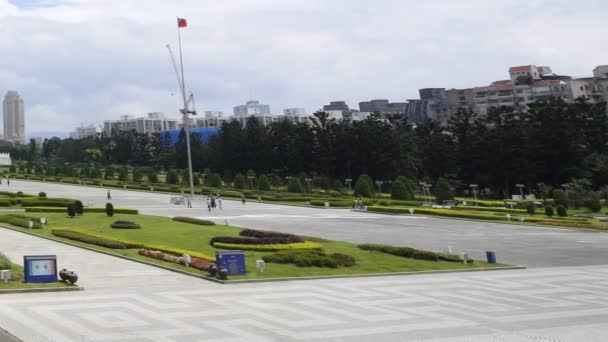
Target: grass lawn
x=164 y=231
x=16 y=281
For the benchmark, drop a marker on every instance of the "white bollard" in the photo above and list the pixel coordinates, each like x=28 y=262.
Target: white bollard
x=260 y=264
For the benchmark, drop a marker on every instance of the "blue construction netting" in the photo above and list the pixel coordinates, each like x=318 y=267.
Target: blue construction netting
x=204 y=134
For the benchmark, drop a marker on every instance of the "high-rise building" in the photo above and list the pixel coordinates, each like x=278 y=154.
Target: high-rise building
x=252 y=108
x=433 y=104
x=85 y=131
x=383 y=107
x=153 y=123
x=14 y=118
x=336 y=105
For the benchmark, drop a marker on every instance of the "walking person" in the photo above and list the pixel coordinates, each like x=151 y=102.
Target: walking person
x=212 y=201
x=189 y=203
x=243 y=199
x=208 y=203
x=109 y=196
x=8 y=182
x=219 y=201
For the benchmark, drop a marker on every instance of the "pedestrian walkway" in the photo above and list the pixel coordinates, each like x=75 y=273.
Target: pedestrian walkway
x=127 y=301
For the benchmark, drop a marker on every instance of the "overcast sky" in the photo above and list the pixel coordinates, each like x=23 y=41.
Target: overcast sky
x=83 y=61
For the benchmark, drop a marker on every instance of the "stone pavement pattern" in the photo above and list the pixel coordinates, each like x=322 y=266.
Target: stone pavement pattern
x=514 y=244
x=127 y=301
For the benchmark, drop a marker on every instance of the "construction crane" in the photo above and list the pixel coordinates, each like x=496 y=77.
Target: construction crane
x=190 y=102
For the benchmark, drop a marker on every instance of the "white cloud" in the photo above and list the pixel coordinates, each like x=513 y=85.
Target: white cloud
x=89 y=60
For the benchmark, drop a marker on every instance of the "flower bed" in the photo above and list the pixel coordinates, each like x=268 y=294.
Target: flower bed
x=268 y=248
x=193 y=221
x=86 y=210
x=198 y=263
x=125 y=225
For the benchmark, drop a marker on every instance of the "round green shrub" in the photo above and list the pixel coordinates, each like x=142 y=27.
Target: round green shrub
x=364 y=186
x=531 y=209
x=561 y=210
x=549 y=210
x=109 y=209
x=443 y=191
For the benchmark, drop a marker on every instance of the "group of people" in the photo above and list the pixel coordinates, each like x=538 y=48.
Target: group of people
x=213 y=202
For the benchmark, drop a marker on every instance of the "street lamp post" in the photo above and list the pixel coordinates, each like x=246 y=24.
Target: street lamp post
x=521 y=190
x=474 y=188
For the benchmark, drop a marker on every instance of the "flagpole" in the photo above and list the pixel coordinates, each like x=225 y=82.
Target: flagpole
x=185 y=113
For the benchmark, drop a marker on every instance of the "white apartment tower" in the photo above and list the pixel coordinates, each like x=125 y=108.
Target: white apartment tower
x=14 y=118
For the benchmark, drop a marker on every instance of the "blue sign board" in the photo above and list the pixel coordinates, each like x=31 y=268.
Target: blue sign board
x=40 y=268
x=233 y=261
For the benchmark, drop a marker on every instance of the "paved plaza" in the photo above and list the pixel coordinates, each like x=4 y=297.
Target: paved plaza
x=514 y=244
x=128 y=301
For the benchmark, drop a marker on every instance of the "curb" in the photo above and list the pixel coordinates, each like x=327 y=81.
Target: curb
x=42 y=289
x=268 y=280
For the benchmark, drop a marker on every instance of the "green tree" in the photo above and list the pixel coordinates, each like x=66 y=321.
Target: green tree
x=410 y=187
x=593 y=202
x=364 y=186
x=172 y=177
x=443 y=191
x=240 y=182
x=123 y=174
x=561 y=210
x=295 y=186
x=78 y=207
x=549 y=211
x=213 y=180
x=399 y=191
x=109 y=209
x=138 y=174
x=152 y=175
x=71 y=210
x=12 y=169
x=109 y=172
x=560 y=198
x=263 y=183
x=531 y=208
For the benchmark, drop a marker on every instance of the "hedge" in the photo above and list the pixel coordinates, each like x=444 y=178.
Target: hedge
x=86 y=210
x=489 y=209
x=400 y=203
x=269 y=247
x=99 y=241
x=94 y=238
x=411 y=253
x=5 y=202
x=310 y=258
x=21 y=221
x=35 y=202
x=193 y=221
x=261 y=234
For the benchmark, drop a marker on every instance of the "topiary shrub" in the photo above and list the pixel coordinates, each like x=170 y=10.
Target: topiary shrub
x=71 y=210
x=263 y=183
x=561 y=211
x=295 y=186
x=109 y=209
x=42 y=194
x=399 y=191
x=593 y=202
x=407 y=252
x=443 y=191
x=560 y=198
x=531 y=209
x=78 y=207
x=172 y=177
x=125 y=225
x=193 y=221
x=364 y=186
x=549 y=210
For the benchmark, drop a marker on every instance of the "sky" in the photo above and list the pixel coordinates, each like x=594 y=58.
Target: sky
x=84 y=61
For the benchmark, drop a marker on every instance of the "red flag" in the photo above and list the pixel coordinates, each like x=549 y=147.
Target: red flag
x=181 y=22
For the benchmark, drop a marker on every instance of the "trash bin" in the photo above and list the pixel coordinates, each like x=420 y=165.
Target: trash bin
x=491 y=256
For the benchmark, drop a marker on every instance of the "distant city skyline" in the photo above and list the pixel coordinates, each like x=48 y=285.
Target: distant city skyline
x=84 y=61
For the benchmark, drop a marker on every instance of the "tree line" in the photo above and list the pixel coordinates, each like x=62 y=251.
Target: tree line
x=550 y=144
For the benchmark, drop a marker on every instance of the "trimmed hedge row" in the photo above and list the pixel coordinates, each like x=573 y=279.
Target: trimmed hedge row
x=95 y=239
x=86 y=210
x=269 y=247
x=412 y=253
x=21 y=221
x=118 y=243
x=35 y=202
x=193 y=221
x=489 y=209
x=311 y=258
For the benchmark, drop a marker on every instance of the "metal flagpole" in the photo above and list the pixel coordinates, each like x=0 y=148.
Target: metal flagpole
x=185 y=112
